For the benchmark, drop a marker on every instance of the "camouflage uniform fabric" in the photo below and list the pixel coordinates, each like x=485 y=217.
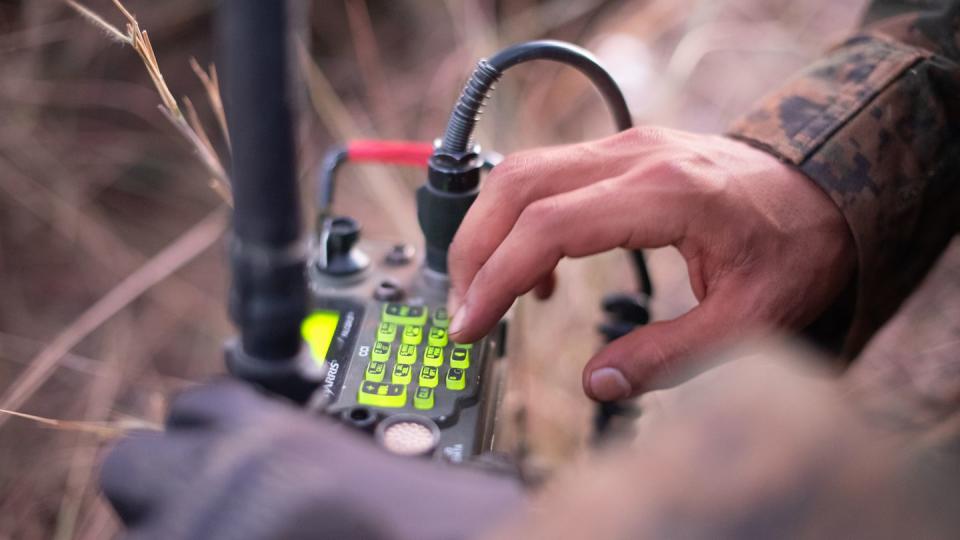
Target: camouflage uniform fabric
x=876 y=124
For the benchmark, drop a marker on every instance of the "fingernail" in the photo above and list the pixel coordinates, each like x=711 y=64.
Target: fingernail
x=608 y=384
x=459 y=319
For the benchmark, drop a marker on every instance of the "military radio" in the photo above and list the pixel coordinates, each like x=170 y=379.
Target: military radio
x=353 y=327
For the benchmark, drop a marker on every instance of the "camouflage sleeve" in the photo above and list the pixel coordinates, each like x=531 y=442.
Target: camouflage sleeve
x=876 y=124
x=884 y=9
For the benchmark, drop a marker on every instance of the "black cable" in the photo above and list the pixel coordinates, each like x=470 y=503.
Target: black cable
x=643 y=273
x=466 y=113
x=488 y=72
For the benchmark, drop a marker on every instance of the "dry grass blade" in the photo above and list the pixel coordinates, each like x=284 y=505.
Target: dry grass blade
x=206 y=154
x=112 y=31
x=219 y=183
x=106 y=430
x=211 y=83
x=194 y=121
x=180 y=252
x=124 y=10
x=140 y=41
x=220 y=189
x=101 y=398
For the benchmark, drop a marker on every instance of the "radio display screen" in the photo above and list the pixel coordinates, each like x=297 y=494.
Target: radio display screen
x=318 y=330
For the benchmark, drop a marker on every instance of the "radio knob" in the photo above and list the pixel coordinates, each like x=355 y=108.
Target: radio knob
x=342 y=257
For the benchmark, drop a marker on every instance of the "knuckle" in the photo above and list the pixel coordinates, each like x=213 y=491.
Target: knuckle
x=541 y=214
x=516 y=177
x=514 y=168
x=691 y=169
x=647 y=134
x=675 y=168
x=649 y=137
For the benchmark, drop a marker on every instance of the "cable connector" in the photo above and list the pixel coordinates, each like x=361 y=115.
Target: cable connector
x=453 y=182
x=455 y=171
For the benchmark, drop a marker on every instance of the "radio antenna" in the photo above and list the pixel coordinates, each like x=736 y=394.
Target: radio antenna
x=268 y=292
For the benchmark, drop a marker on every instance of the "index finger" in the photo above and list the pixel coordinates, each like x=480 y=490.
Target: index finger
x=583 y=222
x=527 y=177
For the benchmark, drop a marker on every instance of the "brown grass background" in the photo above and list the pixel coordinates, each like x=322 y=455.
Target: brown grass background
x=96 y=187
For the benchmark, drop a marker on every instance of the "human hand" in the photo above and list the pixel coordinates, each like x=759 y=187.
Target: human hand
x=233 y=464
x=764 y=245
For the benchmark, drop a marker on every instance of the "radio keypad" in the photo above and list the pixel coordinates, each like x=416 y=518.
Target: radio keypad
x=441 y=359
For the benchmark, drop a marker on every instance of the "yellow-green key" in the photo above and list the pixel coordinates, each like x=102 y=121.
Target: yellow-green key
x=377 y=394
x=404 y=315
x=381 y=351
x=433 y=356
x=375 y=371
x=407 y=354
x=429 y=376
x=423 y=398
x=386 y=331
x=440 y=318
x=402 y=374
x=412 y=335
x=460 y=358
x=437 y=337
x=456 y=379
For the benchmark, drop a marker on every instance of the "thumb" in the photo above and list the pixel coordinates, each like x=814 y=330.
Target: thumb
x=657 y=356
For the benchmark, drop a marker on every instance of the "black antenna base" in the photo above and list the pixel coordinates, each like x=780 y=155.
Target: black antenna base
x=295 y=378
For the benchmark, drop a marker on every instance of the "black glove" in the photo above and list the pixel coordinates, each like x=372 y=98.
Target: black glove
x=234 y=464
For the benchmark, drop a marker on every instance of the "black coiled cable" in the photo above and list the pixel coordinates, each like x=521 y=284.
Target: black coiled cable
x=466 y=113
x=469 y=107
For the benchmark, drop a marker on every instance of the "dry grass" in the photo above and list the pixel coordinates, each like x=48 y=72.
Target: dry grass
x=189 y=126
x=159 y=267
x=112 y=298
